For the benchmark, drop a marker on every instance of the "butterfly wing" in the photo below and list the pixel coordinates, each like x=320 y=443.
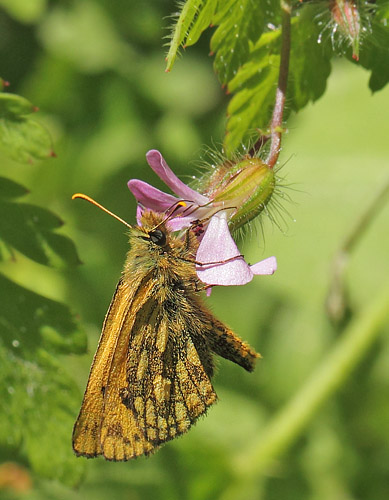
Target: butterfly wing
x=221 y=339
x=158 y=388
x=117 y=326
x=224 y=342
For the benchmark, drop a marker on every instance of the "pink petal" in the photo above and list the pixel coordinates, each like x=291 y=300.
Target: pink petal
x=177 y=223
x=267 y=266
x=216 y=247
x=164 y=172
x=151 y=197
x=139 y=213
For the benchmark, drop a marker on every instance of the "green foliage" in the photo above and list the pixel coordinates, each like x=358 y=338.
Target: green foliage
x=26 y=11
x=246 y=47
x=375 y=53
x=39 y=397
x=31 y=229
x=23 y=139
x=188 y=13
x=255 y=83
x=239 y=25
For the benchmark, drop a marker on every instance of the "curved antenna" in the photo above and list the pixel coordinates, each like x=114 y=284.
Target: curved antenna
x=91 y=200
x=173 y=208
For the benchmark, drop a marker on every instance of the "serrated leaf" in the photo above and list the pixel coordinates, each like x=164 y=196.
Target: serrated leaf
x=189 y=10
x=24 y=140
x=251 y=107
x=256 y=81
x=201 y=23
x=223 y=9
x=30 y=230
x=241 y=23
x=15 y=106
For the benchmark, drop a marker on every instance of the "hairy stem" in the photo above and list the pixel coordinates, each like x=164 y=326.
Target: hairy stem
x=278 y=111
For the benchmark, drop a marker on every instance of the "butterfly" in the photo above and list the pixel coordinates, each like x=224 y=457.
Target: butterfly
x=150 y=379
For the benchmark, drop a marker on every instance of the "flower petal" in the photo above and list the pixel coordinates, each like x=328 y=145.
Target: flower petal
x=217 y=247
x=139 y=213
x=177 y=223
x=164 y=172
x=267 y=266
x=151 y=197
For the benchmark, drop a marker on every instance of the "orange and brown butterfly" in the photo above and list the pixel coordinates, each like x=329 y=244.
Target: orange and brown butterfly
x=150 y=379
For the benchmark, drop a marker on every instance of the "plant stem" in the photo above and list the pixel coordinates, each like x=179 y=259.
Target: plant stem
x=293 y=419
x=337 y=297
x=278 y=111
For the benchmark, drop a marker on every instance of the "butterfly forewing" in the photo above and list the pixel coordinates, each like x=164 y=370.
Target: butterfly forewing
x=117 y=326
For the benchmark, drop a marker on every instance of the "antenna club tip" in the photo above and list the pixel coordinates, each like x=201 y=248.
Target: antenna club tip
x=77 y=195
x=91 y=200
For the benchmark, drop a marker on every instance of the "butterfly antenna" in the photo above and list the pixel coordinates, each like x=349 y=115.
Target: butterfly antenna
x=173 y=208
x=91 y=200
x=206 y=219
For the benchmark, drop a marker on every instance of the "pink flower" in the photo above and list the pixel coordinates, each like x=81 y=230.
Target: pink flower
x=221 y=261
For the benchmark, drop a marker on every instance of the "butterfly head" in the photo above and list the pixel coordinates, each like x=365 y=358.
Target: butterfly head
x=152 y=229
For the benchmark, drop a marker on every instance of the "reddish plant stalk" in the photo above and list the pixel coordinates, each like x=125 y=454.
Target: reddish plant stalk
x=278 y=111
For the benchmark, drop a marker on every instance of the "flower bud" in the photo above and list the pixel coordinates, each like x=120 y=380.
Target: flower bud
x=346 y=16
x=245 y=186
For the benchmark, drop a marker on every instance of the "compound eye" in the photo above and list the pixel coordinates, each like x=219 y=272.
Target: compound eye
x=158 y=237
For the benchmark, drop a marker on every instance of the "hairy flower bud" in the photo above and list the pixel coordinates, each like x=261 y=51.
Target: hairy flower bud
x=245 y=186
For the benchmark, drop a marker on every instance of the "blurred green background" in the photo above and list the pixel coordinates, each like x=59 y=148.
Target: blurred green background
x=96 y=71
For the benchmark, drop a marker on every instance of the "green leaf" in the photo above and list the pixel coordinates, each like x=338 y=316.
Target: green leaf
x=241 y=23
x=10 y=189
x=189 y=11
x=39 y=399
x=30 y=230
x=251 y=107
x=26 y=318
x=14 y=106
x=201 y=23
x=24 y=140
x=21 y=138
x=309 y=65
x=374 y=53
x=255 y=83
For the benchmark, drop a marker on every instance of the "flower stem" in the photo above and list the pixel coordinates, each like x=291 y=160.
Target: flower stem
x=337 y=300
x=293 y=419
x=278 y=111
